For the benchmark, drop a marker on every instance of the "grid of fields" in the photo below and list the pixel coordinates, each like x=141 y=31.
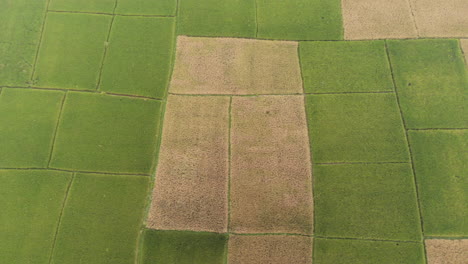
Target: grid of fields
x=233 y=131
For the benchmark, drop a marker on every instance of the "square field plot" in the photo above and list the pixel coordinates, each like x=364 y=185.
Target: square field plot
x=437 y=18
x=432 y=82
x=235 y=66
x=373 y=201
x=378 y=19
x=101 y=219
x=31 y=205
x=299 y=19
x=106 y=134
x=228 y=18
x=183 y=247
x=332 y=251
x=440 y=159
x=98 y=6
x=446 y=251
x=28 y=120
x=356 y=128
x=269 y=249
x=139 y=58
x=345 y=66
x=71 y=51
x=145 y=7
x=20 y=28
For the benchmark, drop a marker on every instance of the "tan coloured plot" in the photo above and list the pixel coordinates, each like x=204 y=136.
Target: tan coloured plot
x=441 y=18
x=269 y=249
x=190 y=191
x=377 y=19
x=444 y=251
x=235 y=66
x=270 y=166
x=464 y=46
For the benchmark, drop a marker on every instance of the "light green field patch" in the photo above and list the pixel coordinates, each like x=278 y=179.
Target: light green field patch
x=228 y=18
x=28 y=119
x=345 y=66
x=356 y=128
x=299 y=19
x=71 y=51
x=374 y=201
x=106 y=133
x=31 y=205
x=138 y=61
x=145 y=7
x=440 y=160
x=101 y=220
x=20 y=27
x=103 y=6
x=332 y=251
x=432 y=82
x=176 y=247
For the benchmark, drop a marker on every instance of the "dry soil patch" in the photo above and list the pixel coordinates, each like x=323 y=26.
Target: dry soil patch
x=270 y=166
x=190 y=191
x=235 y=66
x=377 y=19
x=444 y=251
x=269 y=249
x=436 y=18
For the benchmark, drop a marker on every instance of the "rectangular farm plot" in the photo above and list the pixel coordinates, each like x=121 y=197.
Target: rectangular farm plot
x=20 y=28
x=191 y=185
x=263 y=249
x=214 y=18
x=101 y=219
x=441 y=18
x=356 y=128
x=373 y=201
x=31 y=205
x=271 y=181
x=432 y=82
x=332 y=251
x=145 y=7
x=299 y=19
x=97 y=6
x=28 y=120
x=183 y=247
x=104 y=133
x=345 y=66
x=450 y=251
x=71 y=51
x=378 y=19
x=236 y=66
x=440 y=160
x=138 y=61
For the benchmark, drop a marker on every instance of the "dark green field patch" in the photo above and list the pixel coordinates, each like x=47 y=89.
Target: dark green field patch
x=71 y=51
x=102 y=6
x=28 y=119
x=432 y=82
x=145 y=7
x=356 y=128
x=345 y=66
x=20 y=27
x=332 y=251
x=138 y=61
x=106 y=133
x=101 y=220
x=374 y=201
x=228 y=18
x=299 y=19
x=440 y=159
x=31 y=206
x=183 y=247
